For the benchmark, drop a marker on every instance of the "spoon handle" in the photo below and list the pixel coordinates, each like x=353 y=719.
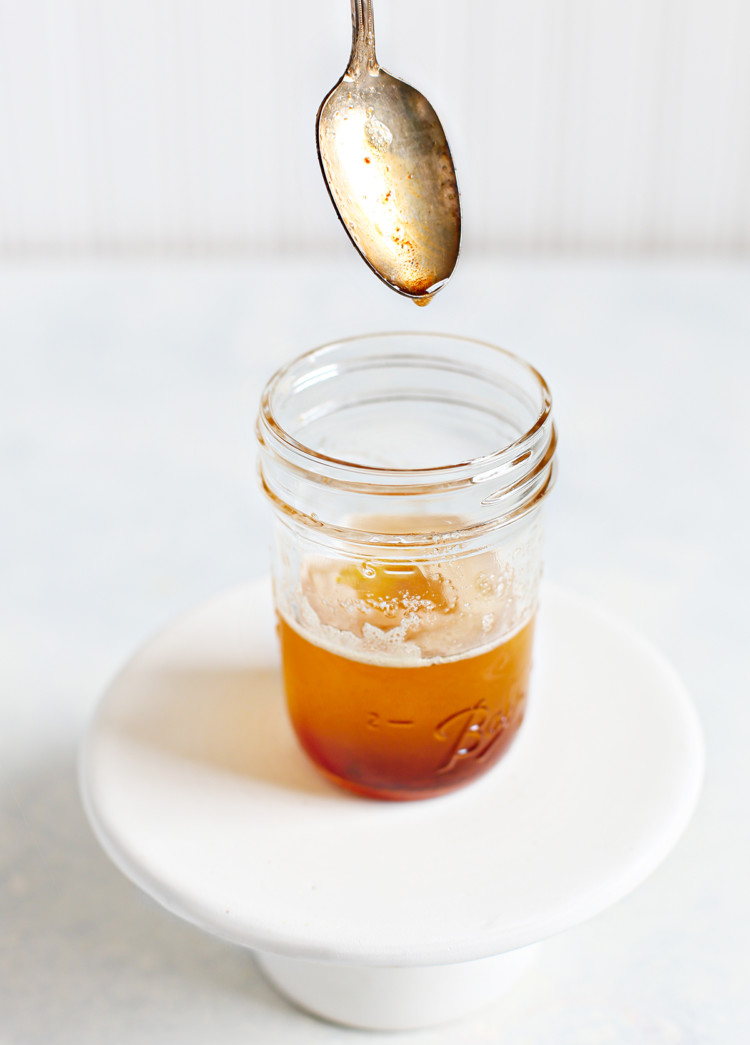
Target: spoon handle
x=362 y=58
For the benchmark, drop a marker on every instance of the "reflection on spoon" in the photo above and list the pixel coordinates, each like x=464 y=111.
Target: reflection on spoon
x=389 y=171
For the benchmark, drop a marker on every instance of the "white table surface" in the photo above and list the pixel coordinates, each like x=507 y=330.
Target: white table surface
x=127 y=397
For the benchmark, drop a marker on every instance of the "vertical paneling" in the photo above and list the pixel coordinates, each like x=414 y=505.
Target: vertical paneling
x=708 y=106
x=188 y=124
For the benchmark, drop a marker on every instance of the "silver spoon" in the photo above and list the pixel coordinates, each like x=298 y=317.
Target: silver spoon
x=389 y=171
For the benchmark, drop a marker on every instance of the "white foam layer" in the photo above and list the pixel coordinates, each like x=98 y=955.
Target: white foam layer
x=405 y=655
x=414 y=615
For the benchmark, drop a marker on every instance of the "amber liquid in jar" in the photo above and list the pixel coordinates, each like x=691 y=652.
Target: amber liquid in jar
x=400 y=727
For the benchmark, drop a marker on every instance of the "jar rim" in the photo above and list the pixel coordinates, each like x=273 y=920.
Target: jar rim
x=272 y=434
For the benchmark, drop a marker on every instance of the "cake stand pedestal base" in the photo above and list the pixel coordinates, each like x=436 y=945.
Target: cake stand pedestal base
x=387 y=998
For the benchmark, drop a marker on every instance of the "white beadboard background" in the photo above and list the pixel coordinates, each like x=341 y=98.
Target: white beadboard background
x=188 y=125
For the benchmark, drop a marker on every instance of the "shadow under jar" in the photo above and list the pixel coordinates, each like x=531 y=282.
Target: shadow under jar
x=407 y=474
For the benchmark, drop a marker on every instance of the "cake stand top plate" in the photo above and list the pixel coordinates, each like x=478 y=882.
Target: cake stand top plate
x=195 y=785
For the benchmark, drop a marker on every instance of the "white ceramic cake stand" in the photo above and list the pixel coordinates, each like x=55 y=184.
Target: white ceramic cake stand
x=377 y=914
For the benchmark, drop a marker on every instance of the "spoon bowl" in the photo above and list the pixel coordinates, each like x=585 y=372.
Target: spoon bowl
x=389 y=171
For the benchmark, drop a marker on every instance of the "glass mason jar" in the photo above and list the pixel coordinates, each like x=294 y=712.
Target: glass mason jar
x=407 y=474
